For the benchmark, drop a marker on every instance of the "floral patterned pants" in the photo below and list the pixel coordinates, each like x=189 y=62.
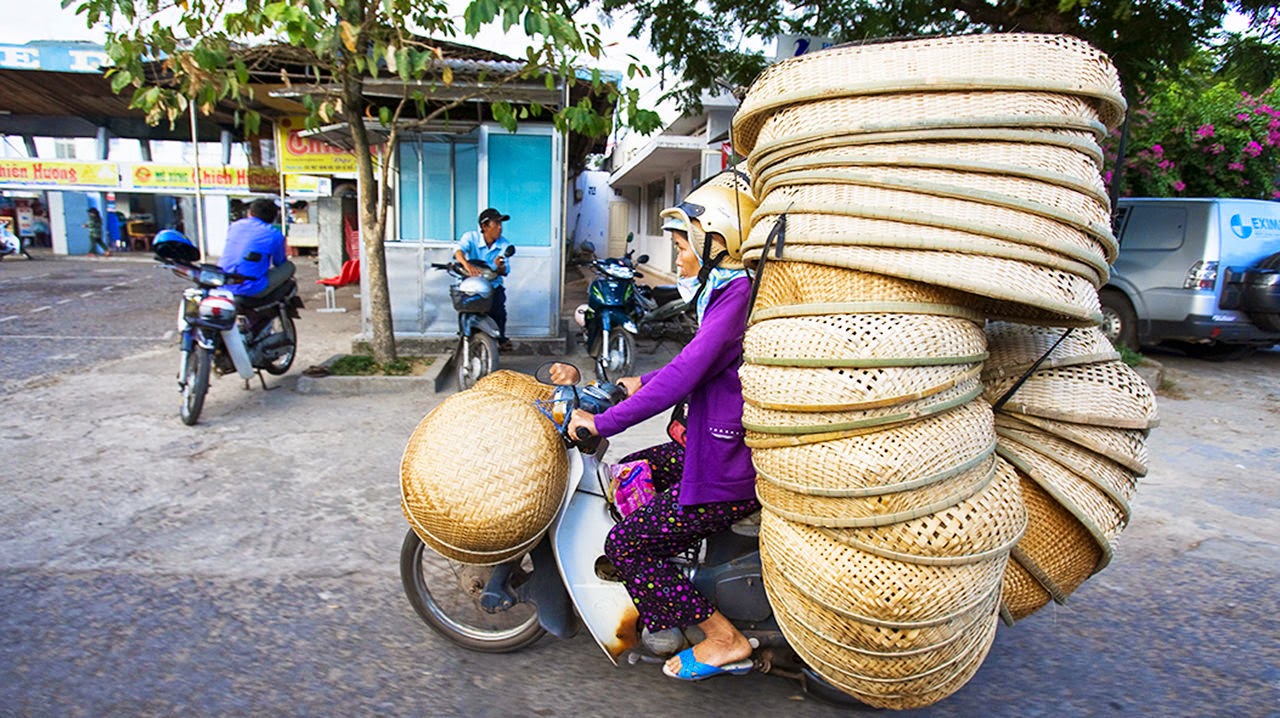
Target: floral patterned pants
x=641 y=544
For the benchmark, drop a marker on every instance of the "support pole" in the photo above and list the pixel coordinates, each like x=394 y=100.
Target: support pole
x=200 y=233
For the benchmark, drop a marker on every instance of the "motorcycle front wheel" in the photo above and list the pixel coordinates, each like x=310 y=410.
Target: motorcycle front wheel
x=446 y=594
x=282 y=323
x=196 y=370
x=483 y=359
x=619 y=356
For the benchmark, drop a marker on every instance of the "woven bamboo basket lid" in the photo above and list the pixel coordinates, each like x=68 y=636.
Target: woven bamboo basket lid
x=1057 y=551
x=978 y=528
x=1084 y=142
x=870 y=635
x=1018 y=290
x=960 y=210
x=800 y=289
x=521 y=386
x=905 y=112
x=996 y=62
x=828 y=389
x=886 y=461
x=876 y=509
x=1118 y=483
x=482 y=476
x=1104 y=394
x=1020 y=194
x=1015 y=348
x=1086 y=260
x=864 y=340
x=1127 y=447
x=775 y=421
x=1021 y=595
x=1074 y=169
x=871 y=587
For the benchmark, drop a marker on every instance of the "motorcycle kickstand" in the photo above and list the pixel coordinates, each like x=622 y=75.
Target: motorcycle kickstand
x=263 y=380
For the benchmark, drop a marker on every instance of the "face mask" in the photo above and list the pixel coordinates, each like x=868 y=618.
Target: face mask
x=687 y=286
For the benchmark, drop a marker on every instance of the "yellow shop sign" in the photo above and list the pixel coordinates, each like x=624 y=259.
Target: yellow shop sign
x=39 y=174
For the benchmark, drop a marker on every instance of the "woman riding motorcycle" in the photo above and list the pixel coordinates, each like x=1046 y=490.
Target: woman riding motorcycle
x=709 y=483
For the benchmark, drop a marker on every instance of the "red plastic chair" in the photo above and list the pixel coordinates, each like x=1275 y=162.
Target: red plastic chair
x=349 y=274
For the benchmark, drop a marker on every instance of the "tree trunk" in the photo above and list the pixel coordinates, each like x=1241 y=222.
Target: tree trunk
x=374 y=263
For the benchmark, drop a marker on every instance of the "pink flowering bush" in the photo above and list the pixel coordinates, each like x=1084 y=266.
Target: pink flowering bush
x=1187 y=141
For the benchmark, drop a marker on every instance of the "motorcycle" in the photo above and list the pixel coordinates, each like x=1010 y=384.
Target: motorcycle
x=472 y=297
x=607 y=320
x=663 y=315
x=226 y=334
x=11 y=245
x=566 y=581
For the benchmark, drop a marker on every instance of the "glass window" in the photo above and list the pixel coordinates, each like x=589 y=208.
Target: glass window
x=656 y=199
x=438 y=188
x=1154 y=228
x=466 y=187
x=520 y=184
x=409 y=191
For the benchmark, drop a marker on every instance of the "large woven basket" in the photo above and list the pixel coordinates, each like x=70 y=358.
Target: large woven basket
x=1000 y=62
x=1021 y=595
x=1086 y=261
x=878 y=509
x=775 y=421
x=1015 y=348
x=1103 y=394
x=521 y=386
x=1081 y=141
x=1075 y=169
x=1126 y=447
x=482 y=477
x=1057 y=552
x=864 y=340
x=873 y=588
x=966 y=212
x=1019 y=290
x=1118 y=483
x=886 y=461
x=847 y=388
x=1035 y=197
x=798 y=289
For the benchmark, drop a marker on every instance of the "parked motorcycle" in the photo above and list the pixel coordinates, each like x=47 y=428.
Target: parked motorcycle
x=477 y=352
x=607 y=320
x=566 y=581
x=663 y=315
x=11 y=245
x=226 y=334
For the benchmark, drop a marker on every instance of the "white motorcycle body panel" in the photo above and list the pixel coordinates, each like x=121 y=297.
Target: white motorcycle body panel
x=233 y=340
x=577 y=539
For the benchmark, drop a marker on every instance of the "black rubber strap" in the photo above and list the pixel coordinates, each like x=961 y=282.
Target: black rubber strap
x=779 y=235
x=1018 y=384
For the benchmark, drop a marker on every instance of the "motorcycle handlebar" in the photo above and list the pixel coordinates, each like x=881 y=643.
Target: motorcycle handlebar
x=587 y=442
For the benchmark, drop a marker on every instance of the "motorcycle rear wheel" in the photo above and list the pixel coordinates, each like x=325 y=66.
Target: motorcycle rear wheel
x=282 y=323
x=197 y=371
x=446 y=594
x=483 y=351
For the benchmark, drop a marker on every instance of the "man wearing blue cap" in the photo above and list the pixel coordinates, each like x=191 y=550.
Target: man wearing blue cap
x=489 y=246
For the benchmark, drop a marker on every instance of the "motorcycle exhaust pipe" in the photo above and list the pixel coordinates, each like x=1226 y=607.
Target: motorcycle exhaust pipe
x=233 y=340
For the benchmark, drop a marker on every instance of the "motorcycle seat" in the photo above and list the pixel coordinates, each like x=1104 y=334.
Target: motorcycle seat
x=279 y=284
x=664 y=293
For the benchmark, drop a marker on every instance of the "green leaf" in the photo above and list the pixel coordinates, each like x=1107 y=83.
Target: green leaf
x=384 y=116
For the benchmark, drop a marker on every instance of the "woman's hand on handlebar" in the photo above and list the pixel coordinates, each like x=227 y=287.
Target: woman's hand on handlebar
x=630 y=383
x=581 y=419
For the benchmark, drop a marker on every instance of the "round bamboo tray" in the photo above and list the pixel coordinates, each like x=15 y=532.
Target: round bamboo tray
x=1021 y=594
x=1057 y=551
x=864 y=340
x=1127 y=447
x=1118 y=483
x=774 y=421
x=804 y=289
x=1015 y=348
x=1107 y=394
x=829 y=389
x=487 y=502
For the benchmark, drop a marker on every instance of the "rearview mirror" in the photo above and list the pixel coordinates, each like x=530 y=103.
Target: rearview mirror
x=642 y=259
x=511 y=249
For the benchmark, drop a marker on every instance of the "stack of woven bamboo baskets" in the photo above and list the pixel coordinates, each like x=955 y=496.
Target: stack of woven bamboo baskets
x=908 y=192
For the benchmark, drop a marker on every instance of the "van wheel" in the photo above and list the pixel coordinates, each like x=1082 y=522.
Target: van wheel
x=1267 y=322
x=1119 y=321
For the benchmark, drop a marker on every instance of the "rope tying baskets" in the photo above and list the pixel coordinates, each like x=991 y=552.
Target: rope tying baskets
x=482 y=476
x=1023 y=62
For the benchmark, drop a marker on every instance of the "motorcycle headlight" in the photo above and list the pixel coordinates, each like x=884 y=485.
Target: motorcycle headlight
x=629 y=326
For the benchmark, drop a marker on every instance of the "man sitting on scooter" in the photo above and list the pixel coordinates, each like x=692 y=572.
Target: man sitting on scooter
x=709 y=483
x=255 y=248
x=489 y=246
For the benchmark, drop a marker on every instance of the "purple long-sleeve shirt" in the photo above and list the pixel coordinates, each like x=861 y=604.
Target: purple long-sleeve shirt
x=717 y=462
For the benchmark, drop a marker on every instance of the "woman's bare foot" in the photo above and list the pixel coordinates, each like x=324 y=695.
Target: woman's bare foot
x=723 y=645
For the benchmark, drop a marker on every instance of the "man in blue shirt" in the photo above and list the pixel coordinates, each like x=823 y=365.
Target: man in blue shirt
x=254 y=246
x=488 y=245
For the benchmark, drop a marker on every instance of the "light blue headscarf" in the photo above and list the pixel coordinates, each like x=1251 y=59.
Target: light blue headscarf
x=718 y=278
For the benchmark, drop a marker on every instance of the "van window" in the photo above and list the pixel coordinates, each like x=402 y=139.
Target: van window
x=1154 y=228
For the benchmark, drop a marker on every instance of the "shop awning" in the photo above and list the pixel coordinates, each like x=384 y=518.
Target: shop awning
x=667 y=153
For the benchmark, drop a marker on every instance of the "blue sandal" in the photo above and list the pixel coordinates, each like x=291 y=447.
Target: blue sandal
x=692 y=670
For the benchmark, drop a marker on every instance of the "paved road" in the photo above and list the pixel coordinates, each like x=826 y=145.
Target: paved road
x=248 y=565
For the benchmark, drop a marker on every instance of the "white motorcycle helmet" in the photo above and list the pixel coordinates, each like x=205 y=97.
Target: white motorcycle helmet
x=722 y=206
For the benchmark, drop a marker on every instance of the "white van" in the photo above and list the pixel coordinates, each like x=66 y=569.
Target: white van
x=1199 y=274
